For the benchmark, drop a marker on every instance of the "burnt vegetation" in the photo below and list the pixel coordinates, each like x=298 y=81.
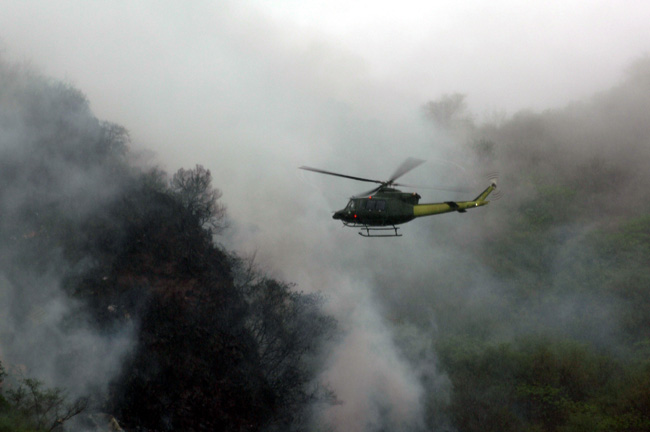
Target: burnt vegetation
x=218 y=346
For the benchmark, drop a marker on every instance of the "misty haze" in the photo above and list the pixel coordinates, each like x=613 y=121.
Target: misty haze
x=165 y=265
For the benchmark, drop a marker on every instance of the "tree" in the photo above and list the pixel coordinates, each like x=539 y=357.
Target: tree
x=194 y=190
x=449 y=112
x=289 y=330
x=31 y=407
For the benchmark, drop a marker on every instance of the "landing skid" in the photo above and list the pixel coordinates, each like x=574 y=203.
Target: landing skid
x=371 y=231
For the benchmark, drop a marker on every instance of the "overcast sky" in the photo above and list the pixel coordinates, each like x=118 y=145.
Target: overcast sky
x=207 y=65
x=253 y=89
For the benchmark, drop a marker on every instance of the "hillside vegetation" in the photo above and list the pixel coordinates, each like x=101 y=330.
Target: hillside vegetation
x=96 y=251
x=116 y=297
x=553 y=332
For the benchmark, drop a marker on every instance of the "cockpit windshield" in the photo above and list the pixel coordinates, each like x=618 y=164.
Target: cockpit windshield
x=350 y=205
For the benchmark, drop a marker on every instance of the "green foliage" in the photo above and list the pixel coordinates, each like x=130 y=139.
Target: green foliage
x=543 y=384
x=569 y=259
x=611 y=261
x=560 y=251
x=28 y=406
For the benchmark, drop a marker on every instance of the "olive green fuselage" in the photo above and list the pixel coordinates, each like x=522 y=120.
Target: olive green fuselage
x=392 y=207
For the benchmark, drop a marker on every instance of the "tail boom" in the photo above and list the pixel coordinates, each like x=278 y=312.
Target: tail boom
x=420 y=210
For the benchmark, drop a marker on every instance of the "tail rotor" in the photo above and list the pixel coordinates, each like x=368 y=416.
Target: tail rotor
x=493 y=179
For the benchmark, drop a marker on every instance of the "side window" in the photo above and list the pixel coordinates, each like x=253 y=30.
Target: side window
x=372 y=204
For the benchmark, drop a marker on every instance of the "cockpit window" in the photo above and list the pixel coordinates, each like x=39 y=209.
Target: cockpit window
x=350 y=205
x=373 y=204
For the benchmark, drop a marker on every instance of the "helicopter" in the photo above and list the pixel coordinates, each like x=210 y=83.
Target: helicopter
x=378 y=212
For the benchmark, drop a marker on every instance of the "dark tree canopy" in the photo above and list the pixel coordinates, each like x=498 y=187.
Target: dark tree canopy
x=193 y=188
x=132 y=248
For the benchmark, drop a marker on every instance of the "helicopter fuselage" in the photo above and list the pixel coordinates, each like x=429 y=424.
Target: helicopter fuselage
x=387 y=207
x=390 y=207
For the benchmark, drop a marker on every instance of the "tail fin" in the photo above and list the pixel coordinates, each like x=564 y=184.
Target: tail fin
x=481 y=198
x=450 y=206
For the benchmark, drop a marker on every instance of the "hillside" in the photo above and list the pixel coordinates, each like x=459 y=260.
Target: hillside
x=539 y=316
x=115 y=290
x=532 y=315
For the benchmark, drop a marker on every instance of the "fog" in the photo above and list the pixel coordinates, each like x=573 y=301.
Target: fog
x=252 y=90
x=44 y=334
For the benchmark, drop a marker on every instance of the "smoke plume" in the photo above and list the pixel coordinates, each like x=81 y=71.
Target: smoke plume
x=56 y=169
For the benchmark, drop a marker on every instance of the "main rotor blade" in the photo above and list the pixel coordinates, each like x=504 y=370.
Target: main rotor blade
x=433 y=188
x=406 y=166
x=339 y=175
x=368 y=193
